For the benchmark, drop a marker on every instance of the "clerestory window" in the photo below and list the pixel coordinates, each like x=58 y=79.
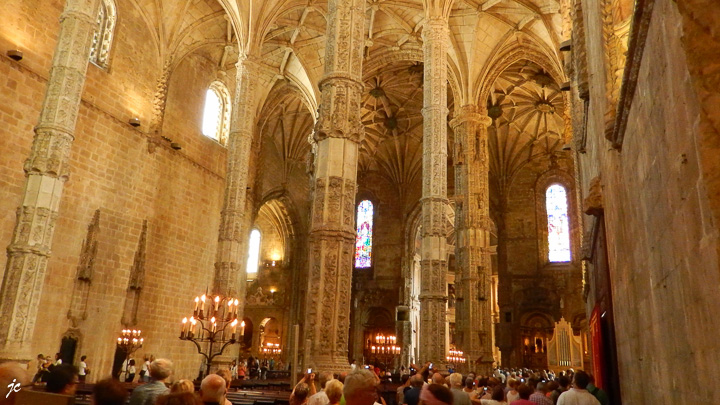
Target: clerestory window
x=253 y=254
x=364 y=235
x=102 y=39
x=556 y=203
x=216 y=116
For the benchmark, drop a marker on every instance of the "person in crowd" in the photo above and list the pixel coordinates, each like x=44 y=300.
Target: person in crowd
x=13 y=379
x=58 y=360
x=182 y=386
x=41 y=369
x=304 y=389
x=469 y=387
x=578 y=394
x=438 y=378
x=225 y=374
x=130 y=371
x=459 y=396
x=598 y=393
x=497 y=396
x=178 y=398
x=436 y=394
x=360 y=388
x=146 y=394
x=511 y=392
x=539 y=397
x=563 y=384
x=144 y=375
x=109 y=392
x=412 y=396
x=63 y=379
x=404 y=385
x=234 y=370
x=524 y=392
x=212 y=390
x=321 y=398
x=334 y=391
x=83 y=369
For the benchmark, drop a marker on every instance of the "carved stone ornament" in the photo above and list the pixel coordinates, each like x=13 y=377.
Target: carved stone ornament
x=593 y=203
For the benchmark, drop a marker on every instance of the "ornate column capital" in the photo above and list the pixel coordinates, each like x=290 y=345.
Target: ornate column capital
x=471 y=113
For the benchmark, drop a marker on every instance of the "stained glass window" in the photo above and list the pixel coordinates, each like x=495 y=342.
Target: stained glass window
x=558 y=227
x=253 y=253
x=363 y=238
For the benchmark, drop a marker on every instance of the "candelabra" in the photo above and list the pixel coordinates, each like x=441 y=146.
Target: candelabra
x=214 y=322
x=273 y=349
x=455 y=356
x=128 y=342
x=383 y=346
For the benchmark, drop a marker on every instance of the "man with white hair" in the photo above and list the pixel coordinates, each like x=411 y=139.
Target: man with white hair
x=146 y=394
x=212 y=390
x=360 y=388
x=460 y=397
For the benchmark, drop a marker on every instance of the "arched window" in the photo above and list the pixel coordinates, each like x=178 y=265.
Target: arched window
x=216 y=116
x=556 y=204
x=102 y=39
x=253 y=253
x=363 y=238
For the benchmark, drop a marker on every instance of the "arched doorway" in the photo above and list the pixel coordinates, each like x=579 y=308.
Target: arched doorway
x=536 y=330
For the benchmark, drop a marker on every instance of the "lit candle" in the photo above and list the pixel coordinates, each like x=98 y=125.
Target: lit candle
x=212 y=321
x=197 y=303
x=234 y=328
x=236 y=307
x=183 y=329
x=141 y=341
x=202 y=307
x=217 y=302
x=119 y=341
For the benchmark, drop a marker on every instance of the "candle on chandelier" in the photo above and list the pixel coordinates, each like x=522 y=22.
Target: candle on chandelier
x=234 y=328
x=182 y=329
x=242 y=328
x=217 y=302
x=202 y=307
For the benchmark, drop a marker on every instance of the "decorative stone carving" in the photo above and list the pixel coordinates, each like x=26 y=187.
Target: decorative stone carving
x=593 y=203
x=135 y=282
x=472 y=223
x=337 y=135
x=230 y=277
x=46 y=169
x=81 y=288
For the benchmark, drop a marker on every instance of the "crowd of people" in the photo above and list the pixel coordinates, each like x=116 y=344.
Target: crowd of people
x=360 y=386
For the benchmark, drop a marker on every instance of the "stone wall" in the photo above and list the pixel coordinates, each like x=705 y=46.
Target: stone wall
x=179 y=193
x=662 y=236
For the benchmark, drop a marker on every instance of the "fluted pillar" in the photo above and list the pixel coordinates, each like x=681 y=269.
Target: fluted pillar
x=472 y=238
x=338 y=133
x=230 y=264
x=433 y=264
x=46 y=171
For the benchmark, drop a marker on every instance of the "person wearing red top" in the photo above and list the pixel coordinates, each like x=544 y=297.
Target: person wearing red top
x=525 y=391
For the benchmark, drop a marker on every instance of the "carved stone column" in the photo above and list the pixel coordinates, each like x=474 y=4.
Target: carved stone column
x=433 y=289
x=46 y=171
x=472 y=243
x=230 y=272
x=338 y=133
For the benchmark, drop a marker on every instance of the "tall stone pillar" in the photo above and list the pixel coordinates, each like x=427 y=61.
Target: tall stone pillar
x=433 y=265
x=230 y=272
x=472 y=242
x=338 y=133
x=46 y=171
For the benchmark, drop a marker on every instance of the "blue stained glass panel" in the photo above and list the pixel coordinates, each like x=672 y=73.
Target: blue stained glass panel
x=558 y=227
x=363 y=238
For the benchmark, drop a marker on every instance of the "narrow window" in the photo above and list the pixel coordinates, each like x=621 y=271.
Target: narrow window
x=102 y=39
x=253 y=253
x=363 y=239
x=558 y=228
x=216 y=115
